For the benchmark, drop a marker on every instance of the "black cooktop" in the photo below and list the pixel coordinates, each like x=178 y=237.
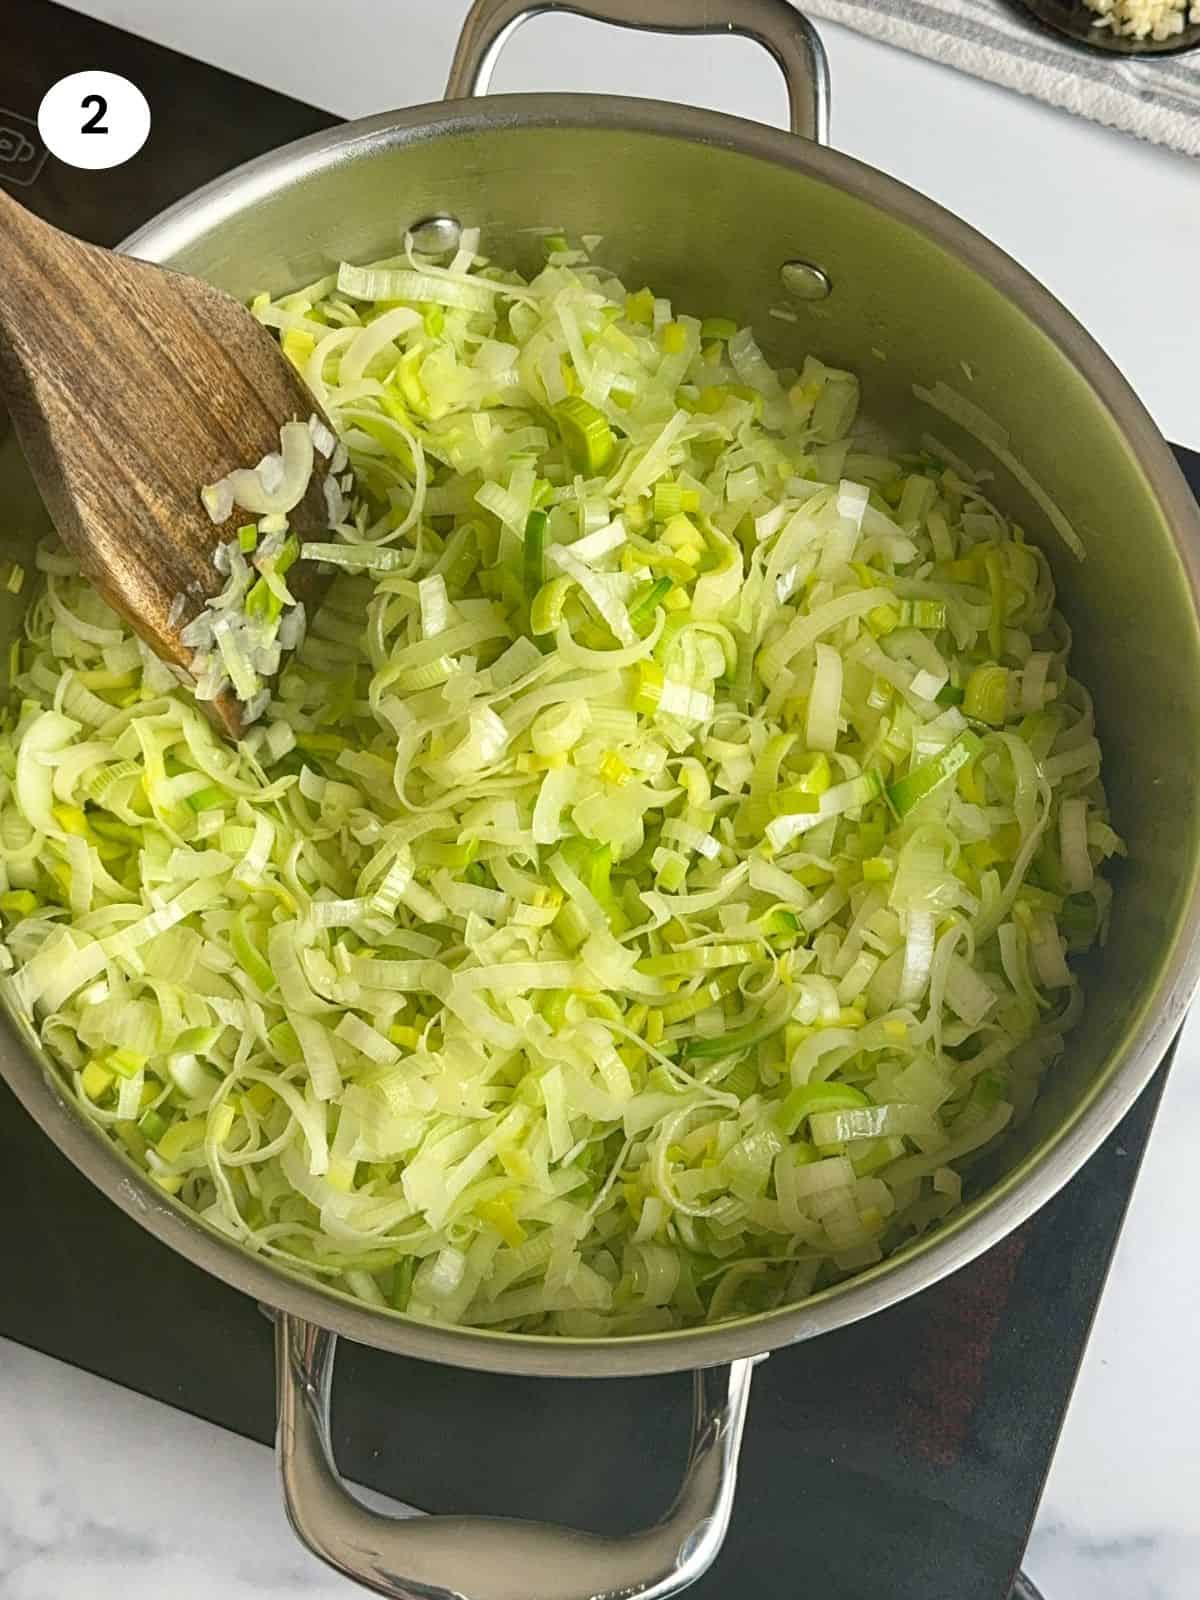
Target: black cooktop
x=901 y=1459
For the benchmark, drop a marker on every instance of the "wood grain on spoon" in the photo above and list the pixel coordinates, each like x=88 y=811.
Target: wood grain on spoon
x=130 y=387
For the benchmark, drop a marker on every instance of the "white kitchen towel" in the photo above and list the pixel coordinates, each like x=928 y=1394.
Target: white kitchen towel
x=1157 y=98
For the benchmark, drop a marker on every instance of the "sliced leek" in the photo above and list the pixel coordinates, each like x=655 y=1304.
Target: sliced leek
x=656 y=869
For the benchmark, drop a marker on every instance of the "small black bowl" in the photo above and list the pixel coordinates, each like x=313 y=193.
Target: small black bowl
x=1076 y=21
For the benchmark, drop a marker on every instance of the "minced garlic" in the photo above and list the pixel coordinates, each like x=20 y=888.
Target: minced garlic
x=1145 y=19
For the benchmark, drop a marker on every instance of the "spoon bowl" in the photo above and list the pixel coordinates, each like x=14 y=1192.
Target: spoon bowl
x=129 y=388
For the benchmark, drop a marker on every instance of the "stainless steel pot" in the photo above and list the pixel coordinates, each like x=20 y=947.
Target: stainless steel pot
x=711 y=210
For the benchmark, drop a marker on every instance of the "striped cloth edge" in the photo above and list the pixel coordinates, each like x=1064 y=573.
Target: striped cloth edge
x=1157 y=99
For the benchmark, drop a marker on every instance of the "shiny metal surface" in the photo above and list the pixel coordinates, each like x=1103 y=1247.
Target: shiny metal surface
x=781 y=30
x=432 y=235
x=918 y=292
x=497 y=1558
x=804 y=281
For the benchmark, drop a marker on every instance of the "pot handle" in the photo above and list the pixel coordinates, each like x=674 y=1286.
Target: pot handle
x=781 y=30
x=419 y=1557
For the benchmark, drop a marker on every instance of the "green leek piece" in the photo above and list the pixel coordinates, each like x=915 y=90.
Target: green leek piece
x=329 y=745
x=802 y=1101
x=125 y=1063
x=908 y=791
x=262 y=603
x=585 y=433
x=152 y=1125
x=207 y=799
x=728 y=1044
x=795 y=799
x=639 y=307
x=647 y=602
x=247 y=939
x=547 y=609
x=717 y=328
x=668 y=500
x=532 y=553
x=18 y=902
x=993 y=562
x=985 y=696
x=927 y=614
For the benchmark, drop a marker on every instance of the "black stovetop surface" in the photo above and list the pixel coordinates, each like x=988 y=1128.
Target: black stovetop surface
x=901 y=1459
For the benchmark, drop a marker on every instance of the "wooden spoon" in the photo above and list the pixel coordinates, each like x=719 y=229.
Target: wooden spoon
x=130 y=387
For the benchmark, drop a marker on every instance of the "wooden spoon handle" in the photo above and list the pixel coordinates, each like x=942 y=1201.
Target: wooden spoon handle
x=34 y=259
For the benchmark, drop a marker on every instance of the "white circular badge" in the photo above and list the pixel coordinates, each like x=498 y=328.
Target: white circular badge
x=94 y=119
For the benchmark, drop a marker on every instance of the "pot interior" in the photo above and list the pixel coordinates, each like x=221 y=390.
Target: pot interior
x=710 y=225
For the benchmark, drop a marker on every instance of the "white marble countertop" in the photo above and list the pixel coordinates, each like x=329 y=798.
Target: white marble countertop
x=108 y=1496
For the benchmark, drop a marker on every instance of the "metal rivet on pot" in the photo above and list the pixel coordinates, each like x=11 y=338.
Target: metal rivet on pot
x=432 y=236
x=804 y=281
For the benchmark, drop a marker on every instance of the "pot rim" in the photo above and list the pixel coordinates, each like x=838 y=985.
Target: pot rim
x=985 y=1220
